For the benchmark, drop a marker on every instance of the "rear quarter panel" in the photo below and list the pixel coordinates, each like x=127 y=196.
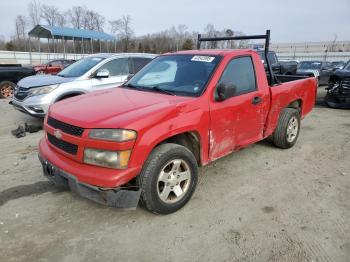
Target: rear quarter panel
x=282 y=95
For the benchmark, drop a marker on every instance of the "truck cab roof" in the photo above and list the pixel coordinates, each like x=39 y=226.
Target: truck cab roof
x=215 y=52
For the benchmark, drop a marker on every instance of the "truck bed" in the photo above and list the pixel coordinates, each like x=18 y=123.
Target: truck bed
x=299 y=90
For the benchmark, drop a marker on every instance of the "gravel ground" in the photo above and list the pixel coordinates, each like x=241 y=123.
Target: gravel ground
x=259 y=204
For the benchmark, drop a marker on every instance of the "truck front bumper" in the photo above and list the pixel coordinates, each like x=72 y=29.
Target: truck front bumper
x=120 y=197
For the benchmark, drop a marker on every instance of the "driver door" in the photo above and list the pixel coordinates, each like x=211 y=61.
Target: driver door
x=239 y=120
x=118 y=70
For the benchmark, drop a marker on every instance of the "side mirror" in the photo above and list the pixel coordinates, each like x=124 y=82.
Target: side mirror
x=225 y=91
x=103 y=73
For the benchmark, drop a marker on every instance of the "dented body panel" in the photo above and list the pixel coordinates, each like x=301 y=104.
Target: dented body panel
x=218 y=127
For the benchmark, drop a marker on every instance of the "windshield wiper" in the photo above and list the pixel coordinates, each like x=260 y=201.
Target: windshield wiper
x=133 y=86
x=160 y=90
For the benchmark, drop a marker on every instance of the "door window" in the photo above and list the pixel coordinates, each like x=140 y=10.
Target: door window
x=139 y=62
x=240 y=72
x=116 y=67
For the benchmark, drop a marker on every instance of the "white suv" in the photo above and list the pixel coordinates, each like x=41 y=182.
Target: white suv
x=33 y=95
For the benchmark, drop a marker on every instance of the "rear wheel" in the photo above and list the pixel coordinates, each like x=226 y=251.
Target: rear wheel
x=287 y=130
x=168 y=178
x=6 y=89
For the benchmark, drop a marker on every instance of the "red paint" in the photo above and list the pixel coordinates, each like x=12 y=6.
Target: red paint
x=52 y=67
x=222 y=127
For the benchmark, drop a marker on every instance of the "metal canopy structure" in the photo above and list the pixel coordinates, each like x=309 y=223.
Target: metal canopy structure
x=55 y=32
x=58 y=34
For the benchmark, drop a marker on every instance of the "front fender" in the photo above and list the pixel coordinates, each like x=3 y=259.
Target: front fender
x=194 y=121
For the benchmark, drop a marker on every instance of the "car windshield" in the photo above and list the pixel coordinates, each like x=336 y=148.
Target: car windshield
x=347 y=66
x=80 y=67
x=310 y=65
x=185 y=75
x=338 y=63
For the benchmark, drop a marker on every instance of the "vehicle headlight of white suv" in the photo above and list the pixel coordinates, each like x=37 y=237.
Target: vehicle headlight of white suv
x=42 y=90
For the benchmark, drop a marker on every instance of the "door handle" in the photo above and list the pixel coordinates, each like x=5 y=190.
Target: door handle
x=256 y=100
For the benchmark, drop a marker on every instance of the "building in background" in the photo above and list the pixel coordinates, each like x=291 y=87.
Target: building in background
x=324 y=51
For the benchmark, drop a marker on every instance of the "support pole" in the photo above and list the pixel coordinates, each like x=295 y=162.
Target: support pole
x=30 y=51
x=74 y=46
x=64 y=48
x=115 y=46
x=82 y=46
x=100 y=45
x=92 y=46
x=39 y=50
x=54 y=44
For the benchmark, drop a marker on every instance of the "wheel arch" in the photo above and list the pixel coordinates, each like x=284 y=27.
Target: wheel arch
x=68 y=95
x=296 y=104
x=189 y=139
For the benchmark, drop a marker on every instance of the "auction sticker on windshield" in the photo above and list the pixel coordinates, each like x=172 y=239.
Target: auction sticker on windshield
x=200 y=58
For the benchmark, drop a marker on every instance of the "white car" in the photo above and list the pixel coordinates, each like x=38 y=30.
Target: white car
x=33 y=95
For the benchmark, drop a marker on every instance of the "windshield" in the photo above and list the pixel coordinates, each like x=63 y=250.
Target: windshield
x=176 y=74
x=335 y=64
x=310 y=65
x=80 y=67
x=271 y=56
x=347 y=66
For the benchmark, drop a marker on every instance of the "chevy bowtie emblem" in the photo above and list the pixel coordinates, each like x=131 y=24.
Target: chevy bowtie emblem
x=58 y=134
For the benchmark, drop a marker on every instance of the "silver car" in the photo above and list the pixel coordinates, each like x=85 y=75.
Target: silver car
x=33 y=95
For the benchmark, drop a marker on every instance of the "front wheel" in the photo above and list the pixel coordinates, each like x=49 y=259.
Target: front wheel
x=288 y=128
x=168 y=178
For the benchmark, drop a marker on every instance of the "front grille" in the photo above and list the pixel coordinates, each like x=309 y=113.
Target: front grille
x=66 y=128
x=346 y=82
x=63 y=145
x=21 y=93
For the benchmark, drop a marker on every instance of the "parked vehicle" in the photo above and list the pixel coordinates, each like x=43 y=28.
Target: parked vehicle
x=148 y=137
x=279 y=67
x=10 y=75
x=338 y=90
x=320 y=70
x=34 y=94
x=338 y=65
x=53 y=67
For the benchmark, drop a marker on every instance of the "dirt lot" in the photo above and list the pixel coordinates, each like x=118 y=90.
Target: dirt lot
x=259 y=204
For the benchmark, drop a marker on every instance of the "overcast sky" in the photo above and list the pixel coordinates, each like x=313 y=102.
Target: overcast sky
x=289 y=21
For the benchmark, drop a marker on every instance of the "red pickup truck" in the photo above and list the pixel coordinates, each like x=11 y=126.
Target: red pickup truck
x=53 y=67
x=146 y=139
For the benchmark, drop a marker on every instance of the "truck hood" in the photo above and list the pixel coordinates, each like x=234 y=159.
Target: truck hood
x=342 y=73
x=43 y=80
x=115 y=108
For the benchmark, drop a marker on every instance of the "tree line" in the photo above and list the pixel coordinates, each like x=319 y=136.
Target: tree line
x=175 y=38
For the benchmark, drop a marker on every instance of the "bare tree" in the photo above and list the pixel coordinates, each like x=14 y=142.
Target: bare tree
x=34 y=10
x=122 y=29
x=51 y=15
x=76 y=16
x=21 y=29
x=93 y=21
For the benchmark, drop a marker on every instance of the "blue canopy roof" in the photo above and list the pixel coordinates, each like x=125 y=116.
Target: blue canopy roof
x=46 y=31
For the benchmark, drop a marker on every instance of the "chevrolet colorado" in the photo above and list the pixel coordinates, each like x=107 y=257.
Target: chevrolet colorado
x=146 y=139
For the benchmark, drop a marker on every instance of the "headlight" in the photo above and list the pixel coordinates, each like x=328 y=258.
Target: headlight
x=106 y=158
x=118 y=135
x=42 y=90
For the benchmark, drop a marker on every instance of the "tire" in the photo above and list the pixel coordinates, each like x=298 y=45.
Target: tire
x=161 y=178
x=288 y=128
x=6 y=89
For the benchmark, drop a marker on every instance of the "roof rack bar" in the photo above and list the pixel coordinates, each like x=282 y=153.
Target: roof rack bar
x=244 y=37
